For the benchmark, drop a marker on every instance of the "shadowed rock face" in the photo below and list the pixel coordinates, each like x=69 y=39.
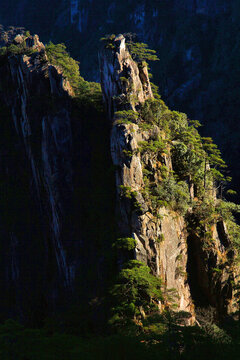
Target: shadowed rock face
x=56 y=188
x=211 y=271
x=163 y=242
x=36 y=183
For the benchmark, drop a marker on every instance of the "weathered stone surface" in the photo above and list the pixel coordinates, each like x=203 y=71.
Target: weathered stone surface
x=162 y=241
x=33 y=41
x=196 y=273
x=124 y=85
x=173 y=258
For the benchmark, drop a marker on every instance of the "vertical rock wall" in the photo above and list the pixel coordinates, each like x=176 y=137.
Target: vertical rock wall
x=37 y=265
x=167 y=258
x=163 y=241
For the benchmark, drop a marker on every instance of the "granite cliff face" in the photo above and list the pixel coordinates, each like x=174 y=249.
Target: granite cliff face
x=164 y=241
x=36 y=181
x=125 y=84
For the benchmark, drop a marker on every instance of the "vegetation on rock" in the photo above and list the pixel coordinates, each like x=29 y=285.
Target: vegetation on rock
x=58 y=56
x=185 y=173
x=125 y=244
x=135 y=291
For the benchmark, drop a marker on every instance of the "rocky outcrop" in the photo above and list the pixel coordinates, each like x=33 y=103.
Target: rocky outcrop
x=164 y=241
x=162 y=237
x=45 y=232
x=125 y=84
x=56 y=189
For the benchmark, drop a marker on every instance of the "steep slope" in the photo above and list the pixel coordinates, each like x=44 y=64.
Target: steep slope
x=191 y=251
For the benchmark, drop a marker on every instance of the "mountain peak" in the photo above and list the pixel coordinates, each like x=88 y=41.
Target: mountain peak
x=125 y=82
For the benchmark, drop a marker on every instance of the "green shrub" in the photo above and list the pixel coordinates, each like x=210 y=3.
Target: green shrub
x=152 y=112
x=155 y=91
x=177 y=123
x=123 y=79
x=231 y=192
x=19 y=49
x=3 y=51
x=161 y=238
x=58 y=56
x=157 y=146
x=205 y=210
x=141 y=53
x=174 y=194
x=125 y=244
x=128 y=153
x=135 y=288
x=88 y=95
x=109 y=41
x=128 y=193
x=187 y=163
x=126 y=116
x=226 y=209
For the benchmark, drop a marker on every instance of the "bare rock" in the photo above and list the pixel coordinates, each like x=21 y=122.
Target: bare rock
x=124 y=86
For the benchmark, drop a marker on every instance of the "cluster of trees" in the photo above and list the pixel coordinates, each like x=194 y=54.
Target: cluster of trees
x=86 y=93
x=139 y=51
x=57 y=55
x=136 y=291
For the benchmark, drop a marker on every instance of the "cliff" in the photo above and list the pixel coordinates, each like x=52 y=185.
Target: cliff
x=152 y=207
x=36 y=180
x=58 y=207
x=55 y=166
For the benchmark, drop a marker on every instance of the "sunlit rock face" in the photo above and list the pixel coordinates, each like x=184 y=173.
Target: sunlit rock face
x=141 y=223
x=124 y=83
x=164 y=243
